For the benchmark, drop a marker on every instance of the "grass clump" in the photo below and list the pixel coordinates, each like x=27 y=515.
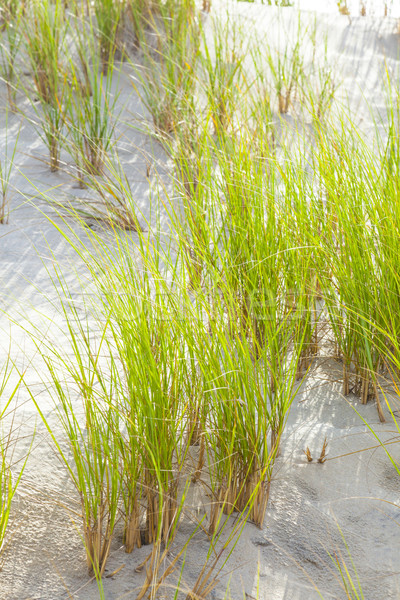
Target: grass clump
x=12 y=17
x=108 y=15
x=89 y=109
x=6 y=169
x=222 y=69
x=10 y=478
x=286 y=68
x=91 y=432
x=45 y=29
x=343 y=8
x=166 y=80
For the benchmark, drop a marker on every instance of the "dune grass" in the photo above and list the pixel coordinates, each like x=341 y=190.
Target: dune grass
x=89 y=106
x=166 y=77
x=11 y=26
x=6 y=170
x=45 y=29
x=205 y=329
x=90 y=428
x=108 y=15
x=10 y=475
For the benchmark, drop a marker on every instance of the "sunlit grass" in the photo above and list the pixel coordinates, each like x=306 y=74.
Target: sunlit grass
x=207 y=327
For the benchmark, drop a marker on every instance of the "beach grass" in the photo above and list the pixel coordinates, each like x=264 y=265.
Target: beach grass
x=280 y=218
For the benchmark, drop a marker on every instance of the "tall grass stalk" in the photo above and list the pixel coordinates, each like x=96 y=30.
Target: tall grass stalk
x=286 y=68
x=108 y=15
x=151 y=351
x=348 y=573
x=9 y=479
x=141 y=14
x=222 y=69
x=6 y=169
x=319 y=87
x=91 y=429
x=351 y=252
x=166 y=80
x=9 y=482
x=45 y=29
x=9 y=48
x=89 y=110
x=115 y=205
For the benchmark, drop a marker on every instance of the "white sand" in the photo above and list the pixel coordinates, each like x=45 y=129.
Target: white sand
x=360 y=492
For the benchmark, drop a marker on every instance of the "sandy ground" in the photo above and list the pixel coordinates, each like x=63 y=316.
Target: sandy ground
x=359 y=491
